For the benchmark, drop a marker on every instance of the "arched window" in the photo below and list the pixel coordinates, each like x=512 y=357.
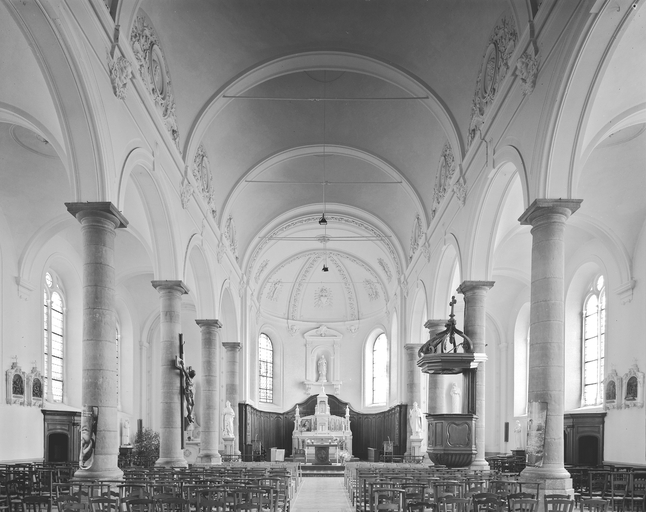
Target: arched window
x=380 y=370
x=266 y=369
x=594 y=337
x=53 y=338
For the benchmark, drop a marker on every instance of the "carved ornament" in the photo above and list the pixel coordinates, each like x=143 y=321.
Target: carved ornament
x=120 y=73
x=527 y=70
x=460 y=190
x=613 y=396
x=415 y=236
x=384 y=266
x=153 y=70
x=230 y=235
x=261 y=269
x=204 y=178
x=444 y=177
x=495 y=66
x=16 y=382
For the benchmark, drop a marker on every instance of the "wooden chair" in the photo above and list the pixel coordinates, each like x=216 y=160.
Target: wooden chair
x=452 y=504
x=171 y=504
x=637 y=491
x=487 y=502
x=104 y=504
x=37 y=503
x=140 y=505
x=389 y=499
x=619 y=489
x=594 y=505
x=206 y=505
x=558 y=503
x=522 y=504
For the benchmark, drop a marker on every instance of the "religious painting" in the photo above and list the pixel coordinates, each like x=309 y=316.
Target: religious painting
x=89 y=423
x=306 y=425
x=537 y=415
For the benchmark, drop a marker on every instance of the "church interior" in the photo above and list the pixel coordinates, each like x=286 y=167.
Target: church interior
x=251 y=220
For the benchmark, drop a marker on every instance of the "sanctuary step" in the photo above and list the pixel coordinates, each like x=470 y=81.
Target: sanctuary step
x=322 y=470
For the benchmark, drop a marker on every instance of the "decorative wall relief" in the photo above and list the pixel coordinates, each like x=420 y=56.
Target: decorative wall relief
x=204 y=178
x=274 y=290
x=384 y=266
x=371 y=289
x=415 y=236
x=612 y=391
x=460 y=190
x=527 y=70
x=261 y=269
x=230 y=235
x=323 y=298
x=186 y=189
x=35 y=388
x=16 y=383
x=633 y=388
x=120 y=73
x=444 y=178
x=495 y=66
x=153 y=70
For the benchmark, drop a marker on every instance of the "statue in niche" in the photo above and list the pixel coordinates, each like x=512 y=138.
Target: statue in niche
x=611 y=391
x=456 y=399
x=631 y=390
x=322 y=366
x=415 y=419
x=227 y=420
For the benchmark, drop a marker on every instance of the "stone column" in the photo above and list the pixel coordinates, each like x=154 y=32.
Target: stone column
x=171 y=428
x=475 y=318
x=232 y=363
x=546 y=348
x=210 y=393
x=435 y=388
x=98 y=224
x=413 y=393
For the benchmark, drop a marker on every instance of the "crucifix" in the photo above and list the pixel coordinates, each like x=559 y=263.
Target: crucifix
x=186 y=389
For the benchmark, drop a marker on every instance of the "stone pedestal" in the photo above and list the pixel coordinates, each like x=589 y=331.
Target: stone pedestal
x=171 y=429
x=210 y=411
x=415 y=443
x=546 y=351
x=98 y=224
x=475 y=317
x=230 y=445
x=232 y=363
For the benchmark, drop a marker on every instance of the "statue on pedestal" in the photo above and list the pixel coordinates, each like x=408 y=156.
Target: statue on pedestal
x=322 y=366
x=227 y=420
x=415 y=419
x=125 y=433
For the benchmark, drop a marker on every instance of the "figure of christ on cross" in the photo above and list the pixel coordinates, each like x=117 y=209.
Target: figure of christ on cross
x=187 y=388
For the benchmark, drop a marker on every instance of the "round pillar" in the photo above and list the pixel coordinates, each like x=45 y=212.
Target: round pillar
x=210 y=437
x=232 y=364
x=475 y=317
x=171 y=429
x=546 y=348
x=100 y=442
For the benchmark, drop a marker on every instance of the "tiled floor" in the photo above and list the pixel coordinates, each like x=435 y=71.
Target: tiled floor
x=322 y=494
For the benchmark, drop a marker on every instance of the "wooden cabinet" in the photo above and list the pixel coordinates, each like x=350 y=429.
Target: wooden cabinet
x=62 y=435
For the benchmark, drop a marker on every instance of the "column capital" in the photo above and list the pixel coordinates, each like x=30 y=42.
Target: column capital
x=435 y=324
x=170 y=285
x=475 y=286
x=540 y=207
x=105 y=210
x=232 y=346
x=209 y=323
x=413 y=347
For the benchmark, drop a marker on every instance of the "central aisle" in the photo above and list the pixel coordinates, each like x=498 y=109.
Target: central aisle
x=322 y=494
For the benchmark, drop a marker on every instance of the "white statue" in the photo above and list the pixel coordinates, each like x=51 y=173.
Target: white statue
x=415 y=419
x=227 y=420
x=456 y=399
x=322 y=365
x=125 y=432
x=518 y=430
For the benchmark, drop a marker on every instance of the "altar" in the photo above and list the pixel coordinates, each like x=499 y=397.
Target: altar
x=325 y=439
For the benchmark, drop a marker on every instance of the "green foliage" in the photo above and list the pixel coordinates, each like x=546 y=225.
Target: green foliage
x=146 y=447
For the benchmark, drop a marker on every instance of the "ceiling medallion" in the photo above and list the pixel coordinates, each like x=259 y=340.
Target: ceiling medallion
x=154 y=72
x=493 y=71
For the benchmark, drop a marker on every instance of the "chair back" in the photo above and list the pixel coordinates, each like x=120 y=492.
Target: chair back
x=453 y=504
x=487 y=502
x=36 y=504
x=558 y=503
x=594 y=505
x=141 y=505
x=104 y=504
